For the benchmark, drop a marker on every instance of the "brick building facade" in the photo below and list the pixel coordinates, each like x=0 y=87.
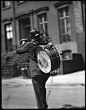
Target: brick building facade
x=64 y=21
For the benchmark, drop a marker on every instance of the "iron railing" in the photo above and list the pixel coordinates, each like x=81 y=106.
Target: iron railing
x=9 y=53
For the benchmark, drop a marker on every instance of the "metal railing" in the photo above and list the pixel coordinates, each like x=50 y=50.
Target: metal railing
x=9 y=53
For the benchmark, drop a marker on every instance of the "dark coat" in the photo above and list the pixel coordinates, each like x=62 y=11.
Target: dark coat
x=31 y=49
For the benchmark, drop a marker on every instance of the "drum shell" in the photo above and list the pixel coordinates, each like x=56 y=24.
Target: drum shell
x=52 y=53
x=55 y=58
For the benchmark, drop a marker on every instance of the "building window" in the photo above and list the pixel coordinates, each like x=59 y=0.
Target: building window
x=66 y=55
x=6 y=4
x=42 y=22
x=65 y=26
x=9 y=35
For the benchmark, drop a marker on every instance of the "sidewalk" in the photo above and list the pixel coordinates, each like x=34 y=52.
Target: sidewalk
x=67 y=79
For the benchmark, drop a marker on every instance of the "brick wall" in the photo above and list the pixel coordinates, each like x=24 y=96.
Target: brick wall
x=80 y=33
x=78 y=16
x=81 y=43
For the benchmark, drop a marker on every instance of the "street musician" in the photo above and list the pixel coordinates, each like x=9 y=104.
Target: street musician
x=38 y=77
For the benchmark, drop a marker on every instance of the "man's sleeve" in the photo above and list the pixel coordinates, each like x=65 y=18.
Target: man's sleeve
x=24 y=48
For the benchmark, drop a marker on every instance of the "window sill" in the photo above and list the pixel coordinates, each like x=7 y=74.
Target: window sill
x=21 y=2
x=67 y=59
x=6 y=8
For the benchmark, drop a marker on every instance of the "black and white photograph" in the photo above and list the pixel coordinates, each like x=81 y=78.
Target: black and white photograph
x=43 y=54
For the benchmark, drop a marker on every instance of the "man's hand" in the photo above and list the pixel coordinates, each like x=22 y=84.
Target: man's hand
x=23 y=41
x=50 y=43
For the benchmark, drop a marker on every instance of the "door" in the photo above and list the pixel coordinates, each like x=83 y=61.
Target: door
x=24 y=28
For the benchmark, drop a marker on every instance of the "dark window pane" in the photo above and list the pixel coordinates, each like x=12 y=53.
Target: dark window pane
x=63 y=38
x=62 y=30
x=24 y=28
x=68 y=29
x=46 y=26
x=67 y=20
x=61 y=13
x=62 y=26
x=25 y=21
x=45 y=18
x=62 y=22
x=40 y=18
x=66 y=11
x=41 y=26
x=9 y=43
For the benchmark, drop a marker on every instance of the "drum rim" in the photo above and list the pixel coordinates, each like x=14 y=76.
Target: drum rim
x=50 y=54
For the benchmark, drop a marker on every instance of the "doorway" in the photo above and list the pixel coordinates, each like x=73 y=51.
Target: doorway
x=24 y=28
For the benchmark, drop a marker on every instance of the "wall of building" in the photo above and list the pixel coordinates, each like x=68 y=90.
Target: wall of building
x=78 y=35
x=7 y=13
x=80 y=32
x=51 y=15
x=6 y=17
x=53 y=24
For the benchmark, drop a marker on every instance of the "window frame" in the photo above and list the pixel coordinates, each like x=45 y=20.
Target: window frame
x=43 y=21
x=6 y=39
x=64 y=18
x=6 y=7
x=40 y=11
x=62 y=4
x=67 y=55
x=19 y=3
x=24 y=26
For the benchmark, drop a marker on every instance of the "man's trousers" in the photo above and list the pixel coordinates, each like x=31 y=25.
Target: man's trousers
x=39 y=82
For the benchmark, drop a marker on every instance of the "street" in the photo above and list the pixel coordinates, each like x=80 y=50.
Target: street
x=17 y=96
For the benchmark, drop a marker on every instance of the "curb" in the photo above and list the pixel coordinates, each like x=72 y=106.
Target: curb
x=14 y=84
x=59 y=80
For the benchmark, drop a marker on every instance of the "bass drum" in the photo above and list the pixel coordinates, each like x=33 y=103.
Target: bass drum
x=48 y=58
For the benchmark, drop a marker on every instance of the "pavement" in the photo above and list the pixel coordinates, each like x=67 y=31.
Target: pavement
x=16 y=94
x=76 y=78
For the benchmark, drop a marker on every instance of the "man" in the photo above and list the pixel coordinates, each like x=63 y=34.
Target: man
x=38 y=77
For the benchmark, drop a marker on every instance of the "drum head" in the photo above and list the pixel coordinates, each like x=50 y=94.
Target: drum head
x=44 y=62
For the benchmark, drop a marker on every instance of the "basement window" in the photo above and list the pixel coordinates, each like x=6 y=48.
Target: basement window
x=67 y=55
